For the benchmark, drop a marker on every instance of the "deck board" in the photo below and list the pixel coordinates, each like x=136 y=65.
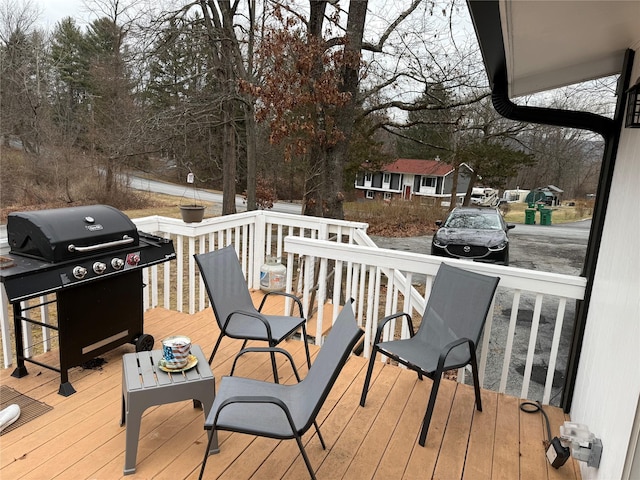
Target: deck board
x=478 y=464
x=82 y=437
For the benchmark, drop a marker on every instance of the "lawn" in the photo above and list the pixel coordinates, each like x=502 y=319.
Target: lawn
x=398 y=218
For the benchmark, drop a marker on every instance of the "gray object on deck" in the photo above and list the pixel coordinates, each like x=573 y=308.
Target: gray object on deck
x=144 y=385
x=233 y=307
x=448 y=334
x=285 y=411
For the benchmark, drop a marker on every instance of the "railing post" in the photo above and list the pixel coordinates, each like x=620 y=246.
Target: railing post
x=259 y=248
x=6 y=332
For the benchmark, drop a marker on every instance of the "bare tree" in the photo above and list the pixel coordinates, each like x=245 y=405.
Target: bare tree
x=22 y=91
x=327 y=80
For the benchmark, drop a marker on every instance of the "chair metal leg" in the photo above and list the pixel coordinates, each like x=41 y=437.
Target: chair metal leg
x=206 y=455
x=274 y=367
x=324 y=447
x=215 y=349
x=306 y=345
x=476 y=380
x=430 y=406
x=367 y=379
x=304 y=456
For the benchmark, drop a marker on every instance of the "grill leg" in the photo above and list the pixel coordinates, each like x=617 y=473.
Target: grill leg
x=20 y=370
x=66 y=389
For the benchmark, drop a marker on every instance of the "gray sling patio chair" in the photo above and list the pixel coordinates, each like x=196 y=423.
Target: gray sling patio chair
x=277 y=411
x=448 y=334
x=233 y=307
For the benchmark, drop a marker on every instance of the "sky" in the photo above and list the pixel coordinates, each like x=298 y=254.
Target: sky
x=53 y=11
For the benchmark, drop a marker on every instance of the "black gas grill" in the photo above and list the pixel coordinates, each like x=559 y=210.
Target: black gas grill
x=91 y=258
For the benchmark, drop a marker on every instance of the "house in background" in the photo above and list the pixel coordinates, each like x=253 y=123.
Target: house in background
x=407 y=178
x=551 y=195
x=533 y=46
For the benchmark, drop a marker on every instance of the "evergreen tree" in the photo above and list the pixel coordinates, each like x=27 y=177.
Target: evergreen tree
x=428 y=132
x=70 y=81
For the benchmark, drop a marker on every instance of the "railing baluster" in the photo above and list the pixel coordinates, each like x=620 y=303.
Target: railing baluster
x=509 y=345
x=167 y=284
x=553 y=355
x=360 y=289
x=192 y=275
x=44 y=317
x=6 y=327
x=179 y=246
x=337 y=288
x=202 y=248
x=322 y=293
x=535 y=323
x=484 y=350
x=27 y=334
x=146 y=303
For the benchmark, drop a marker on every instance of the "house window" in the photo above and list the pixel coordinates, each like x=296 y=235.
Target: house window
x=428 y=182
x=387 y=195
x=386 y=178
x=367 y=177
x=369 y=194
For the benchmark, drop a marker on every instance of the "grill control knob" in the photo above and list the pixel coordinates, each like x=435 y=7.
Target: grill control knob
x=117 y=263
x=79 y=272
x=133 y=259
x=99 y=267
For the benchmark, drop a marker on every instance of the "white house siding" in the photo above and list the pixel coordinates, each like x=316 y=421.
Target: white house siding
x=608 y=382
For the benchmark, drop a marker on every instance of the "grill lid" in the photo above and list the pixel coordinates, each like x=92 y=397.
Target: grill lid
x=62 y=234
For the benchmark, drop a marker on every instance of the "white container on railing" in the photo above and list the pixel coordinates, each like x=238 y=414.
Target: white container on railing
x=272 y=275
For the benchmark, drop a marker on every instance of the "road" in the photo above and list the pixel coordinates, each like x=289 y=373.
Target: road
x=206 y=196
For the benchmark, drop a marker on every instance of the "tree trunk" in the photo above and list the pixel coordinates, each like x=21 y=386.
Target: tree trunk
x=453 y=201
x=337 y=156
x=472 y=182
x=228 y=162
x=252 y=161
x=314 y=182
x=326 y=183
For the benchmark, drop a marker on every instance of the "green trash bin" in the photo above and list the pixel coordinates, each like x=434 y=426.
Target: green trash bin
x=545 y=216
x=529 y=216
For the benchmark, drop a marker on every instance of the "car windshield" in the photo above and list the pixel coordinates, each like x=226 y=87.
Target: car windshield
x=475 y=220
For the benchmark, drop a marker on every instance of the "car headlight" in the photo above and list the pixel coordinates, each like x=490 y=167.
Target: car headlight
x=438 y=243
x=500 y=246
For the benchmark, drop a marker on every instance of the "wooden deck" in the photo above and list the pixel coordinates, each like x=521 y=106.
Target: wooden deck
x=81 y=437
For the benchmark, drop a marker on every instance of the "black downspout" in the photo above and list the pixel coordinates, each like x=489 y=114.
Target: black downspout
x=609 y=129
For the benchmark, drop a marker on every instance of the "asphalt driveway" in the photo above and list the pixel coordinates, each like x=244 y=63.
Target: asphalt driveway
x=549 y=248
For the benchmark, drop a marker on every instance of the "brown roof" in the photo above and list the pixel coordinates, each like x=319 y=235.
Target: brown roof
x=436 y=168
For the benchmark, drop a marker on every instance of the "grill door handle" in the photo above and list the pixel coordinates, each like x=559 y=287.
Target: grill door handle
x=126 y=239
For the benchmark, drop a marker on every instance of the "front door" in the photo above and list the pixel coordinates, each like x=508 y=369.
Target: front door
x=407 y=192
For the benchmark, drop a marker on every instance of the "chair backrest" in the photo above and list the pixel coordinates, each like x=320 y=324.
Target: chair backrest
x=332 y=356
x=225 y=282
x=458 y=305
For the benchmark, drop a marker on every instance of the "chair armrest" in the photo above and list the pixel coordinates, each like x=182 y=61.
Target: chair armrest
x=266 y=349
x=255 y=315
x=283 y=294
x=387 y=319
x=450 y=346
x=210 y=424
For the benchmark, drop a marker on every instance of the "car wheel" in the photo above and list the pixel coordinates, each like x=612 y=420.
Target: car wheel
x=505 y=262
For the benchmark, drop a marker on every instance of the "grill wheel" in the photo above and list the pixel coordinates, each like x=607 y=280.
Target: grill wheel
x=144 y=343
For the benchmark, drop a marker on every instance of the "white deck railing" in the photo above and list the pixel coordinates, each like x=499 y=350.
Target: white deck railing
x=329 y=261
